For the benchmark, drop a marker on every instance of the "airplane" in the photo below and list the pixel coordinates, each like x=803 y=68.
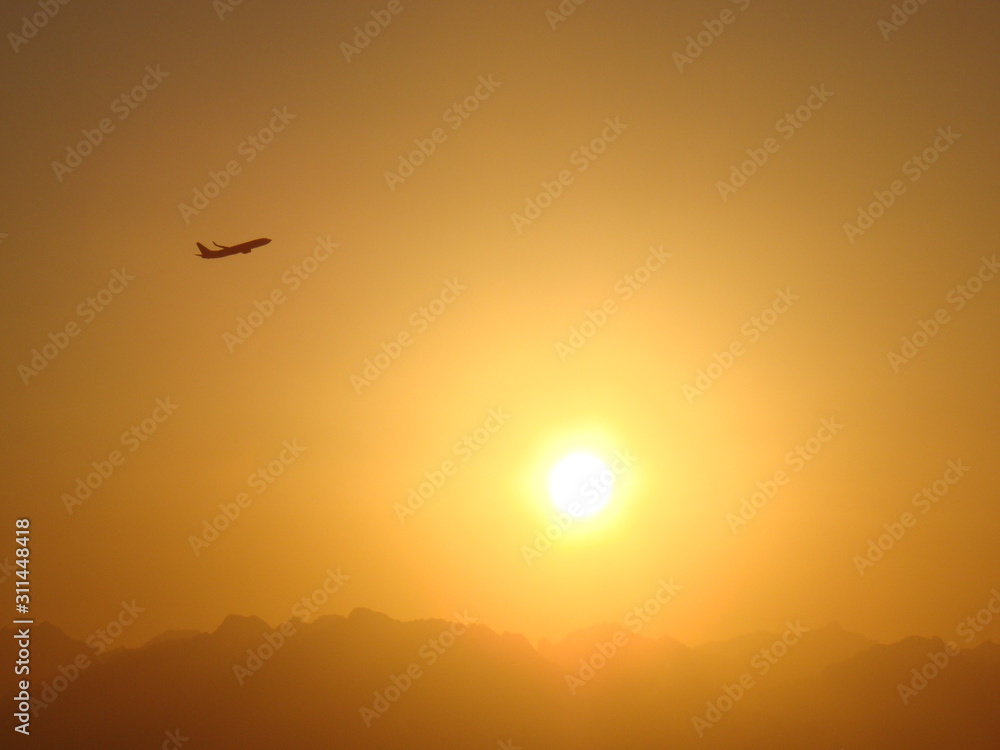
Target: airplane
x=225 y=250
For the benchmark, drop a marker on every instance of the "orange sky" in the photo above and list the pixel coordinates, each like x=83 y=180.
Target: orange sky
x=528 y=228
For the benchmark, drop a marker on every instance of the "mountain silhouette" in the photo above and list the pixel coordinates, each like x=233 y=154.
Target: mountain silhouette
x=173 y=635
x=369 y=681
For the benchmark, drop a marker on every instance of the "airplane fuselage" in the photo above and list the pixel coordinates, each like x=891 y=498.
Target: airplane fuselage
x=225 y=250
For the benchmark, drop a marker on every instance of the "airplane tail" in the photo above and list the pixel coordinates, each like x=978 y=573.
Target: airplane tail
x=205 y=252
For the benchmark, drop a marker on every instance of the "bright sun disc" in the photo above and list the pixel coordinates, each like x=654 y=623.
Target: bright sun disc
x=580 y=484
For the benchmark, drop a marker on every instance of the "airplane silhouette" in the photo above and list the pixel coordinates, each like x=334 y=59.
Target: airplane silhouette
x=225 y=250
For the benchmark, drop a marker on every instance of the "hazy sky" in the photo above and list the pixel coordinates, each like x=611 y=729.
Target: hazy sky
x=486 y=181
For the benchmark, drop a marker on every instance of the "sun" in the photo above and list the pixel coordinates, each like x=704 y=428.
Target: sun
x=581 y=484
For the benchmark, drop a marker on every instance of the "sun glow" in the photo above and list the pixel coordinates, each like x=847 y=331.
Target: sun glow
x=581 y=484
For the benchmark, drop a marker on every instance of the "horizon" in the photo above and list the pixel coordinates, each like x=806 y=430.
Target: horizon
x=964 y=630
x=248 y=659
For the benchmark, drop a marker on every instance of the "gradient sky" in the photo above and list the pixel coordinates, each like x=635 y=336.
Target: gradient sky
x=656 y=185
